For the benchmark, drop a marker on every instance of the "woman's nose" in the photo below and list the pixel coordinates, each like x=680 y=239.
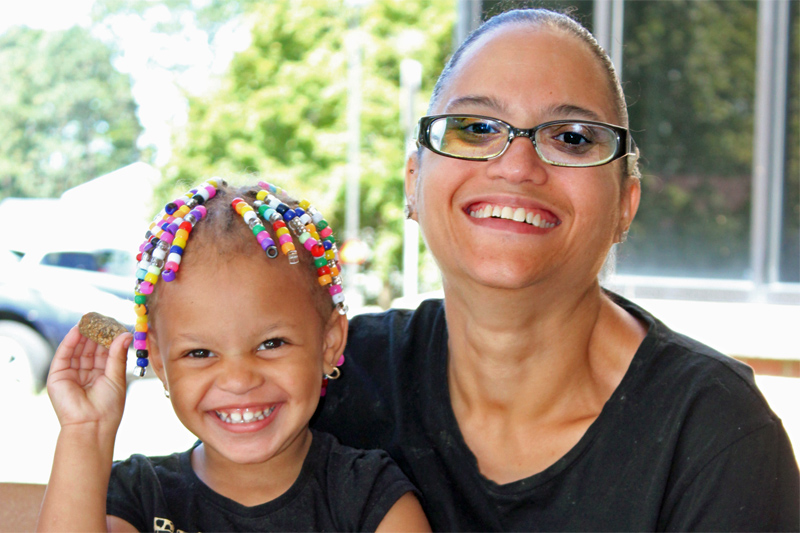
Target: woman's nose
x=239 y=375
x=520 y=163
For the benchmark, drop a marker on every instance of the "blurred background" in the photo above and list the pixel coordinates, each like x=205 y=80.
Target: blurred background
x=110 y=108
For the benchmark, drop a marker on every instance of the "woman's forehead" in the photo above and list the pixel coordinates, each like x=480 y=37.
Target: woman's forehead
x=531 y=70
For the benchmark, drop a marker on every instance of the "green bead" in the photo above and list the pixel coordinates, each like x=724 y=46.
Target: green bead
x=258 y=228
x=322 y=225
x=140 y=299
x=320 y=262
x=330 y=238
x=262 y=209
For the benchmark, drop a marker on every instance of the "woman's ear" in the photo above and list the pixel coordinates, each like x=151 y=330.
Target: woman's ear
x=335 y=340
x=629 y=203
x=412 y=174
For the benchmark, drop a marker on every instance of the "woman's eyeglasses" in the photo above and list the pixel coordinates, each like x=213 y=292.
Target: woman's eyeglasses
x=564 y=143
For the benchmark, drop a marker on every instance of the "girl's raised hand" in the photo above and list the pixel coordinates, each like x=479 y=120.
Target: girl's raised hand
x=86 y=383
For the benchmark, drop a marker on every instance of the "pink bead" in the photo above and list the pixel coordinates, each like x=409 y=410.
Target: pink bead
x=140 y=345
x=283 y=239
x=211 y=191
x=325 y=232
x=202 y=210
x=169 y=218
x=167 y=237
x=146 y=287
x=334 y=289
x=309 y=244
x=179 y=203
x=172 y=265
x=262 y=236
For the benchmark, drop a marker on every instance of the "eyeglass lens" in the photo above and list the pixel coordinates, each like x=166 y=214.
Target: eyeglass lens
x=572 y=143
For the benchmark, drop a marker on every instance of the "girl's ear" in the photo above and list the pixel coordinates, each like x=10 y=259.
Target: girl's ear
x=629 y=203
x=155 y=358
x=335 y=340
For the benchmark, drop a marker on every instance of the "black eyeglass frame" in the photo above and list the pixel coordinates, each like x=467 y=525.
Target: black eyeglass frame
x=625 y=144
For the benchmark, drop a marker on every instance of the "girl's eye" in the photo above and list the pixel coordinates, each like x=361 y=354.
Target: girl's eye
x=271 y=344
x=200 y=354
x=480 y=128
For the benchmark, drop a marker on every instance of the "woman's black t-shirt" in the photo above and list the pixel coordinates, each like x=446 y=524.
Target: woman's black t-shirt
x=686 y=441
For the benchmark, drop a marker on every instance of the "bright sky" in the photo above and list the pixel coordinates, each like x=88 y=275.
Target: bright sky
x=161 y=104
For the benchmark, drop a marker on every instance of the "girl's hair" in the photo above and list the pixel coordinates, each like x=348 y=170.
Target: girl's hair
x=225 y=223
x=544 y=18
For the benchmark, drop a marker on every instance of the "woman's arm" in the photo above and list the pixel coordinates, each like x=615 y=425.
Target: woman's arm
x=405 y=515
x=87 y=388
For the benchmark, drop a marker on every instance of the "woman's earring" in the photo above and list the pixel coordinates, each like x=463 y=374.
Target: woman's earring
x=623 y=237
x=166 y=392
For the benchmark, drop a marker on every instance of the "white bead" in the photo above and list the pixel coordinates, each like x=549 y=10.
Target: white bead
x=202 y=191
x=174 y=258
x=305 y=219
x=250 y=215
x=159 y=253
x=338 y=298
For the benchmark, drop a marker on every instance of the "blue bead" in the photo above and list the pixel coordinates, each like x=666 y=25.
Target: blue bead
x=140 y=274
x=288 y=215
x=175 y=249
x=299 y=211
x=171 y=208
x=282 y=208
x=142 y=362
x=327 y=244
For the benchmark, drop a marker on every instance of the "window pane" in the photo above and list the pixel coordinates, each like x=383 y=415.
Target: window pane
x=689 y=75
x=790 y=234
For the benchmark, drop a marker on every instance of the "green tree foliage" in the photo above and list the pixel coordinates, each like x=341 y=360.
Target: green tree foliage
x=281 y=109
x=66 y=114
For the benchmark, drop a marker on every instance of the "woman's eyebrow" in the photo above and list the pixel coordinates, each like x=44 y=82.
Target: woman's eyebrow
x=473 y=100
x=571 y=111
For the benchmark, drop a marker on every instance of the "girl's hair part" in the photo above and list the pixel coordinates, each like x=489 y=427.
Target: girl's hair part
x=233 y=213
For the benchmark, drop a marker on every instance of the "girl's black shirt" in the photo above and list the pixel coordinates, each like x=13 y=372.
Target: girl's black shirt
x=686 y=441
x=338 y=489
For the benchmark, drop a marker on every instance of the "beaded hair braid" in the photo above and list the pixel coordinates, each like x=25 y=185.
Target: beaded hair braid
x=165 y=240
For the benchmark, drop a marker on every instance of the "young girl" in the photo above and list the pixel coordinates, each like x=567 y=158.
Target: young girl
x=244 y=339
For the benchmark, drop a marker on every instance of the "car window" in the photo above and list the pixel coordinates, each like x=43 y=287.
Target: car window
x=81 y=260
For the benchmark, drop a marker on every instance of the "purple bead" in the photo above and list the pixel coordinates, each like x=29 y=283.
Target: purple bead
x=168 y=275
x=139 y=336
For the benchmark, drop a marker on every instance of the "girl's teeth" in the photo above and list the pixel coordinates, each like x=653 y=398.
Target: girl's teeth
x=509 y=213
x=244 y=417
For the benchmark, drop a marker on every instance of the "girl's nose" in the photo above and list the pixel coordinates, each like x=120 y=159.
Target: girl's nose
x=239 y=375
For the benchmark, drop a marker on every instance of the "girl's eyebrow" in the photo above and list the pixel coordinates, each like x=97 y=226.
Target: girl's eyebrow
x=572 y=111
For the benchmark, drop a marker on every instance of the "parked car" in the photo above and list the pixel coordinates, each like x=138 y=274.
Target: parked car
x=38 y=306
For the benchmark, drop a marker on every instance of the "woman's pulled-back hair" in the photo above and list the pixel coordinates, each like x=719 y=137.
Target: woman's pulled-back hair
x=543 y=18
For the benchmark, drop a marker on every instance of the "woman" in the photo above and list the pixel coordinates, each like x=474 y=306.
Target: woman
x=530 y=398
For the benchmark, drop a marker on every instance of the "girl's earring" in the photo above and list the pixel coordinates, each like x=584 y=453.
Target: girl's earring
x=166 y=392
x=335 y=374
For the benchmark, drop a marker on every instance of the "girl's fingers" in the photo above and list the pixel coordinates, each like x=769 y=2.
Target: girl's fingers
x=116 y=363
x=72 y=344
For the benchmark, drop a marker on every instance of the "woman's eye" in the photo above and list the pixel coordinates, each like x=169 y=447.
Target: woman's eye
x=571 y=137
x=271 y=344
x=480 y=128
x=200 y=354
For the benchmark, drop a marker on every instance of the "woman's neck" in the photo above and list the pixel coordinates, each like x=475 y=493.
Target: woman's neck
x=508 y=345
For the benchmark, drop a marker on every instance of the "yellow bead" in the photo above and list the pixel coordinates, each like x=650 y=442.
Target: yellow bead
x=260 y=195
x=213 y=183
x=141 y=319
x=281 y=231
x=305 y=204
x=329 y=255
x=142 y=328
x=287 y=247
x=181 y=234
x=140 y=310
x=182 y=211
x=152 y=278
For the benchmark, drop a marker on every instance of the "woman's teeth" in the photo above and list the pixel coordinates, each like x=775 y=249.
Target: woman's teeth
x=518 y=214
x=243 y=417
